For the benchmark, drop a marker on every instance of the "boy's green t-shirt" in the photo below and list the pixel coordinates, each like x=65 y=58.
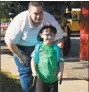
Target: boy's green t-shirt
x=47 y=68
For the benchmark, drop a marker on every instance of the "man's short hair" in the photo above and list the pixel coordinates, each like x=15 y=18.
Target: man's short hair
x=35 y=3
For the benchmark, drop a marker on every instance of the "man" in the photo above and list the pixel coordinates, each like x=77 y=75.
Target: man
x=21 y=37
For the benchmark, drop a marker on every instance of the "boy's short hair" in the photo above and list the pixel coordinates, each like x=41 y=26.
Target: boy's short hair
x=52 y=30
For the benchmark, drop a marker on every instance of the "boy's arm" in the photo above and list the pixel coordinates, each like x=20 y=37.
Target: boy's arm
x=61 y=64
x=33 y=67
x=60 y=74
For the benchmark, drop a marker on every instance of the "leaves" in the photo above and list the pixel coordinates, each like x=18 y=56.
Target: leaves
x=8 y=7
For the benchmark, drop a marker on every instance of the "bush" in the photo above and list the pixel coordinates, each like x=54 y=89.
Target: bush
x=5 y=20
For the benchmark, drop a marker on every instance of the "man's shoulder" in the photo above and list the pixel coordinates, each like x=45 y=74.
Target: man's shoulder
x=47 y=15
x=22 y=15
x=24 y=12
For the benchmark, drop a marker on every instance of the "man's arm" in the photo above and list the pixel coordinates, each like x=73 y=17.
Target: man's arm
x=60 y=43
x=60 y=33
x=14 y=49
x=13 y=36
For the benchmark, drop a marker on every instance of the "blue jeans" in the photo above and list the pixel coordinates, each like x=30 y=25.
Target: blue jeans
x=25 y=74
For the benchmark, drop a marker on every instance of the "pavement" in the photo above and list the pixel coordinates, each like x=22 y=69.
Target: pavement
x=68 y=84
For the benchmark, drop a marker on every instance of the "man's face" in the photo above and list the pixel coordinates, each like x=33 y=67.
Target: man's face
x=36 y=14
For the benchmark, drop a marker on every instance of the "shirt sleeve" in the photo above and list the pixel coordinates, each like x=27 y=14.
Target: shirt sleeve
x=61 y=60
x=35 y=54
x=13 y=33
x=60 y=32
x=54 y=23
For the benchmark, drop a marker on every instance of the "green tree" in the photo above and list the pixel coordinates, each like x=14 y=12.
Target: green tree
x=4 y=9
x=7 y=7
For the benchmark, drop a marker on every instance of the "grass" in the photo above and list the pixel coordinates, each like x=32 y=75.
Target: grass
x=9 y=82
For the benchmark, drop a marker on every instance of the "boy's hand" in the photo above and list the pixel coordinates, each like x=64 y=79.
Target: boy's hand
x=60 y=81
x=60 y=76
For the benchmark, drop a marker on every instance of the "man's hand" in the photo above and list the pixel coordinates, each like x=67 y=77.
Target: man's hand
x=22 y=57
x=24 y=60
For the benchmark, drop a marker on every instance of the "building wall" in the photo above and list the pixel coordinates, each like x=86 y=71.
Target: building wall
x=84 y=31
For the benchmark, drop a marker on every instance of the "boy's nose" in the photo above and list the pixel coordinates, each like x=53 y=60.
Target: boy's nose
x=49 y=37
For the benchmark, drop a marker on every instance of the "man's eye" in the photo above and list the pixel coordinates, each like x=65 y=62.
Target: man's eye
x=41 y=12
x=35 y=13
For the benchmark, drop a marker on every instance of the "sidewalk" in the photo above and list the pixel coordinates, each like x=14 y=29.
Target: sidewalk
x=8 y=64
x=68 y=84
x=73 y=85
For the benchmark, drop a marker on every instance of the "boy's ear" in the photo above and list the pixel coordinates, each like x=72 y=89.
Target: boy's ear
x=40 y=35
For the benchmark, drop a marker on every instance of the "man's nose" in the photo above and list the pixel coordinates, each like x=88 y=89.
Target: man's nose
x=38 y=16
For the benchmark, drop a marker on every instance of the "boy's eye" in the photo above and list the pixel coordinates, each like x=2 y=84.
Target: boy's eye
x=48 y=35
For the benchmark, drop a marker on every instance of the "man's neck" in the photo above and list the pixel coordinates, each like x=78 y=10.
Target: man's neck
x=35 y=24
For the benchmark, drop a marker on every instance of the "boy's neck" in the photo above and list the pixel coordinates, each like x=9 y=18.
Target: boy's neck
x=48 y=44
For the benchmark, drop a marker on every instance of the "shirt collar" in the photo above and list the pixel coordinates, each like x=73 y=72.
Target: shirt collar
x=29 y=21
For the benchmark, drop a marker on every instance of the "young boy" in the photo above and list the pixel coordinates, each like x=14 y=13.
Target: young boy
x=46 y=63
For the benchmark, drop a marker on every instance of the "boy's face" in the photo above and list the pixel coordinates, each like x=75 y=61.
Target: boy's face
x=47 y=36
